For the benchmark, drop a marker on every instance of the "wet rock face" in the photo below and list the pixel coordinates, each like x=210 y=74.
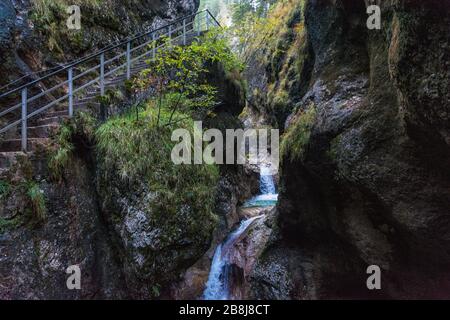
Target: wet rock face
x=371 y=184
x=7 y=18
x=34 y=255
x=153 y=247
x=246 y=250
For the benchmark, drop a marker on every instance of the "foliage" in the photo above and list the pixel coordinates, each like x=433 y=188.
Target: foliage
x=296 y=139
x=21 y=197
x=239 y=9
x=252 y=34
x=259 y=35
x=48 y=9
x=136 y=147
x=156 y=291
x=5 y=188
x=49 y=17
x=111 y=95
x=244 y=8
x=216 y=49
x=82 y=124
x=37 y=201
x=178 y=74
x=276 y=46
x=138 y=151
x=60 y=157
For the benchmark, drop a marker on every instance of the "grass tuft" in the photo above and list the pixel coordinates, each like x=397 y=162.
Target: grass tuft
x=60 y=157
x=82 y=124
x=135 y=150
x=37 y=201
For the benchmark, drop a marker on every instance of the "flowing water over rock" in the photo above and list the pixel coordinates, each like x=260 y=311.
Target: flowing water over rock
x=268 y=195
x=218 y=284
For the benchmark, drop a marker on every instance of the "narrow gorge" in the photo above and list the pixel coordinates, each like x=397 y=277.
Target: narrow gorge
x=364 y=150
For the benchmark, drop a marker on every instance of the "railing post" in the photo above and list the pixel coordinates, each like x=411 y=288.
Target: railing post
x=128 y=60
x=170 y=33
x=207 y=19
x=24 y=119
x=70 y=78
x=154 y=45
x=184 y=32
x=102 y=74
x=198 y=24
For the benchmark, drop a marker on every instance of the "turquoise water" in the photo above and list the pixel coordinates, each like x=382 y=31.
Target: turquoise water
x=263 y=200
x=268 y=196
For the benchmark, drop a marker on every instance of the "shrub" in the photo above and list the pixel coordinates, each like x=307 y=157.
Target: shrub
x=178 y=74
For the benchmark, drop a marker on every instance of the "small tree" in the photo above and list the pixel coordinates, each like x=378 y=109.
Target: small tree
x=178 y=74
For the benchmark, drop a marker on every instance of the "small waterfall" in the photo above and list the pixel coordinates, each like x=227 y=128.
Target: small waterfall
x=217 y=285
x=267 y=186
x=268 y=195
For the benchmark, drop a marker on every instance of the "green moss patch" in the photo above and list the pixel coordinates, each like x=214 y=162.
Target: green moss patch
x=296 y=138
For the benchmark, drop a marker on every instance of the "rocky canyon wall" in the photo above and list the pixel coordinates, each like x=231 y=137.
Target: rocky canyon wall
x=365 y=154
x=34 y=35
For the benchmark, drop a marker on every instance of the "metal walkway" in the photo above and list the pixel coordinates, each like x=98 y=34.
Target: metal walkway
x=31 y=111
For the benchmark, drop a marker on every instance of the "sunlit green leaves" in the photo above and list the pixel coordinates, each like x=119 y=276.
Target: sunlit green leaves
x=182 y=71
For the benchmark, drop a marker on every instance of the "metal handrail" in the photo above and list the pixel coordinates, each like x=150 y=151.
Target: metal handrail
x=188 y=22
x=108 y=49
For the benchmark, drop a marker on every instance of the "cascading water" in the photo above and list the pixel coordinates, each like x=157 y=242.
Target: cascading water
x=268 y=195
x=266 y=183
x=217 y=286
